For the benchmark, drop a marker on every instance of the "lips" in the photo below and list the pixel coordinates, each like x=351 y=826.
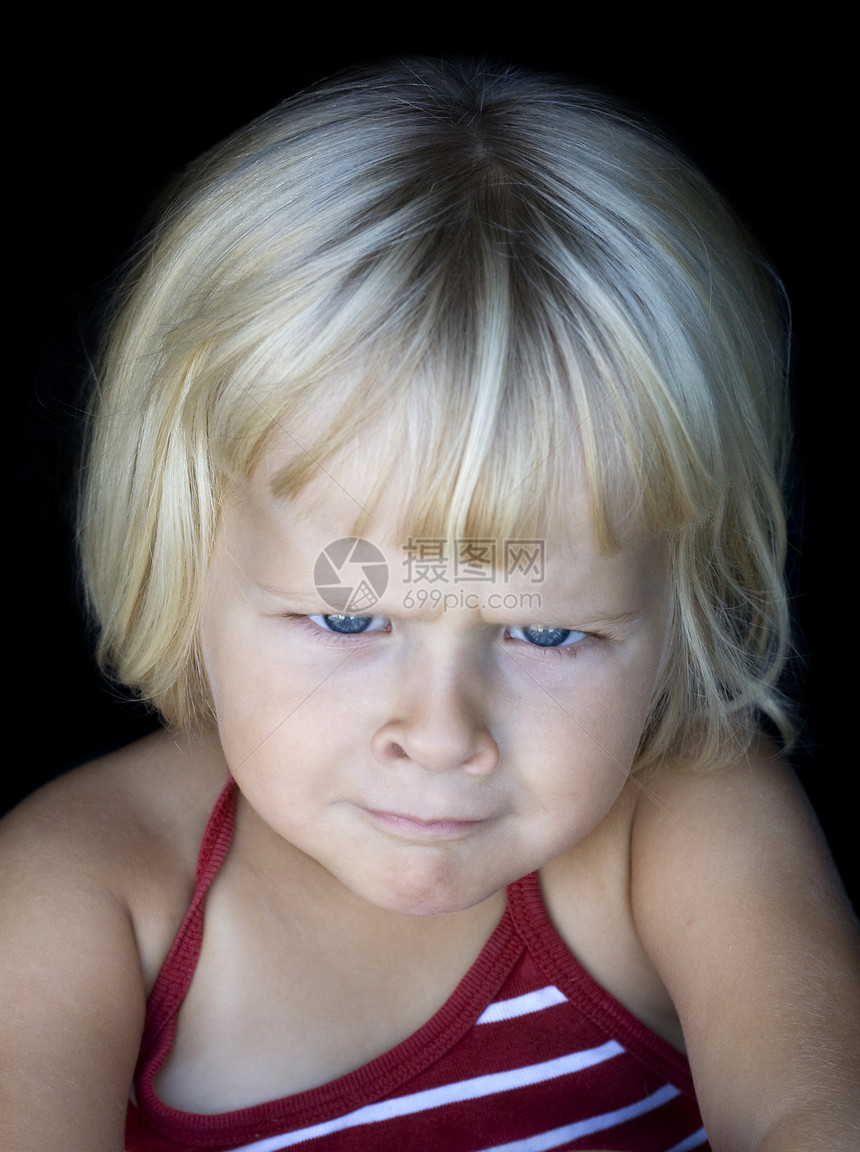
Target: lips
x=419 y=828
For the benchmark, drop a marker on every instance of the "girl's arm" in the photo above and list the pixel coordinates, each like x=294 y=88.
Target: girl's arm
x=71 y=989
x=739 y=906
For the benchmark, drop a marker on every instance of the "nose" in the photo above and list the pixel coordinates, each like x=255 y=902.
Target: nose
x=439 y=724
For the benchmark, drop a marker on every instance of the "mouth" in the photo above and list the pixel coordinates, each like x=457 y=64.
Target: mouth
x=417 y=828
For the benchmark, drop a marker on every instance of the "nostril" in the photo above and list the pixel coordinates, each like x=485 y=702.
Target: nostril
x=435 y=746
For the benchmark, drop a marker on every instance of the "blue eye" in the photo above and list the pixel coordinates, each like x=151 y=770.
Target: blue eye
x=544 y=637
x=350 y=625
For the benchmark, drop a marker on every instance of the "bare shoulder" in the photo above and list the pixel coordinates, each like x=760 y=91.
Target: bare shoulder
x=126 y=826
x=95 y=871
x=739 y=908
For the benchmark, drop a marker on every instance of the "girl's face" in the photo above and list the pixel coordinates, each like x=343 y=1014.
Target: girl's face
x=456 y=733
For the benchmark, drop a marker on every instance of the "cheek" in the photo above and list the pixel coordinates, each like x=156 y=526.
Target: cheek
x=584 y=745
x=285 y=720
x=246 y=661
x=579 y=788
x=601 y=713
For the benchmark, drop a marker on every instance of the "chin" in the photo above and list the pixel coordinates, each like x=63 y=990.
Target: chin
x=430 y=892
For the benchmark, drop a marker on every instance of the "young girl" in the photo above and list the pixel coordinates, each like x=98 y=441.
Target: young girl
x=432 y=498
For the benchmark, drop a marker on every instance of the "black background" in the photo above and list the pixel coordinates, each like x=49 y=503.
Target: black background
x=101 y=119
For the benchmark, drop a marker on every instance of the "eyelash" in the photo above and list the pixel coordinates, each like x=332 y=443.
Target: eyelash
x=318 y=624
x=323 y=627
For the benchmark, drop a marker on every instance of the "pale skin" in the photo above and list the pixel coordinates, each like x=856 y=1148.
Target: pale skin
x=392 y=781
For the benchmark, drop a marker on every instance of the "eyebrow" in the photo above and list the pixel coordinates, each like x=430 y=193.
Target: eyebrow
x=614 y=617
x=589 y=617
x=287 y=594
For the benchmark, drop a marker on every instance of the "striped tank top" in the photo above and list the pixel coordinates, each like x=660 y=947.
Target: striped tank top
x=528 y=1055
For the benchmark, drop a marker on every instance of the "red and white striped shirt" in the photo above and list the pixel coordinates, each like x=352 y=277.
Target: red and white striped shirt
x=529 y=1054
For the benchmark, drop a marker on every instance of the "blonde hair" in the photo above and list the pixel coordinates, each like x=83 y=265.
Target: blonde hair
x=501 y=266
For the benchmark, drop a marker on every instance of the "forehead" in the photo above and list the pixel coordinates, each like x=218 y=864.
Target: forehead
x=377 y=487
x=341 y=500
